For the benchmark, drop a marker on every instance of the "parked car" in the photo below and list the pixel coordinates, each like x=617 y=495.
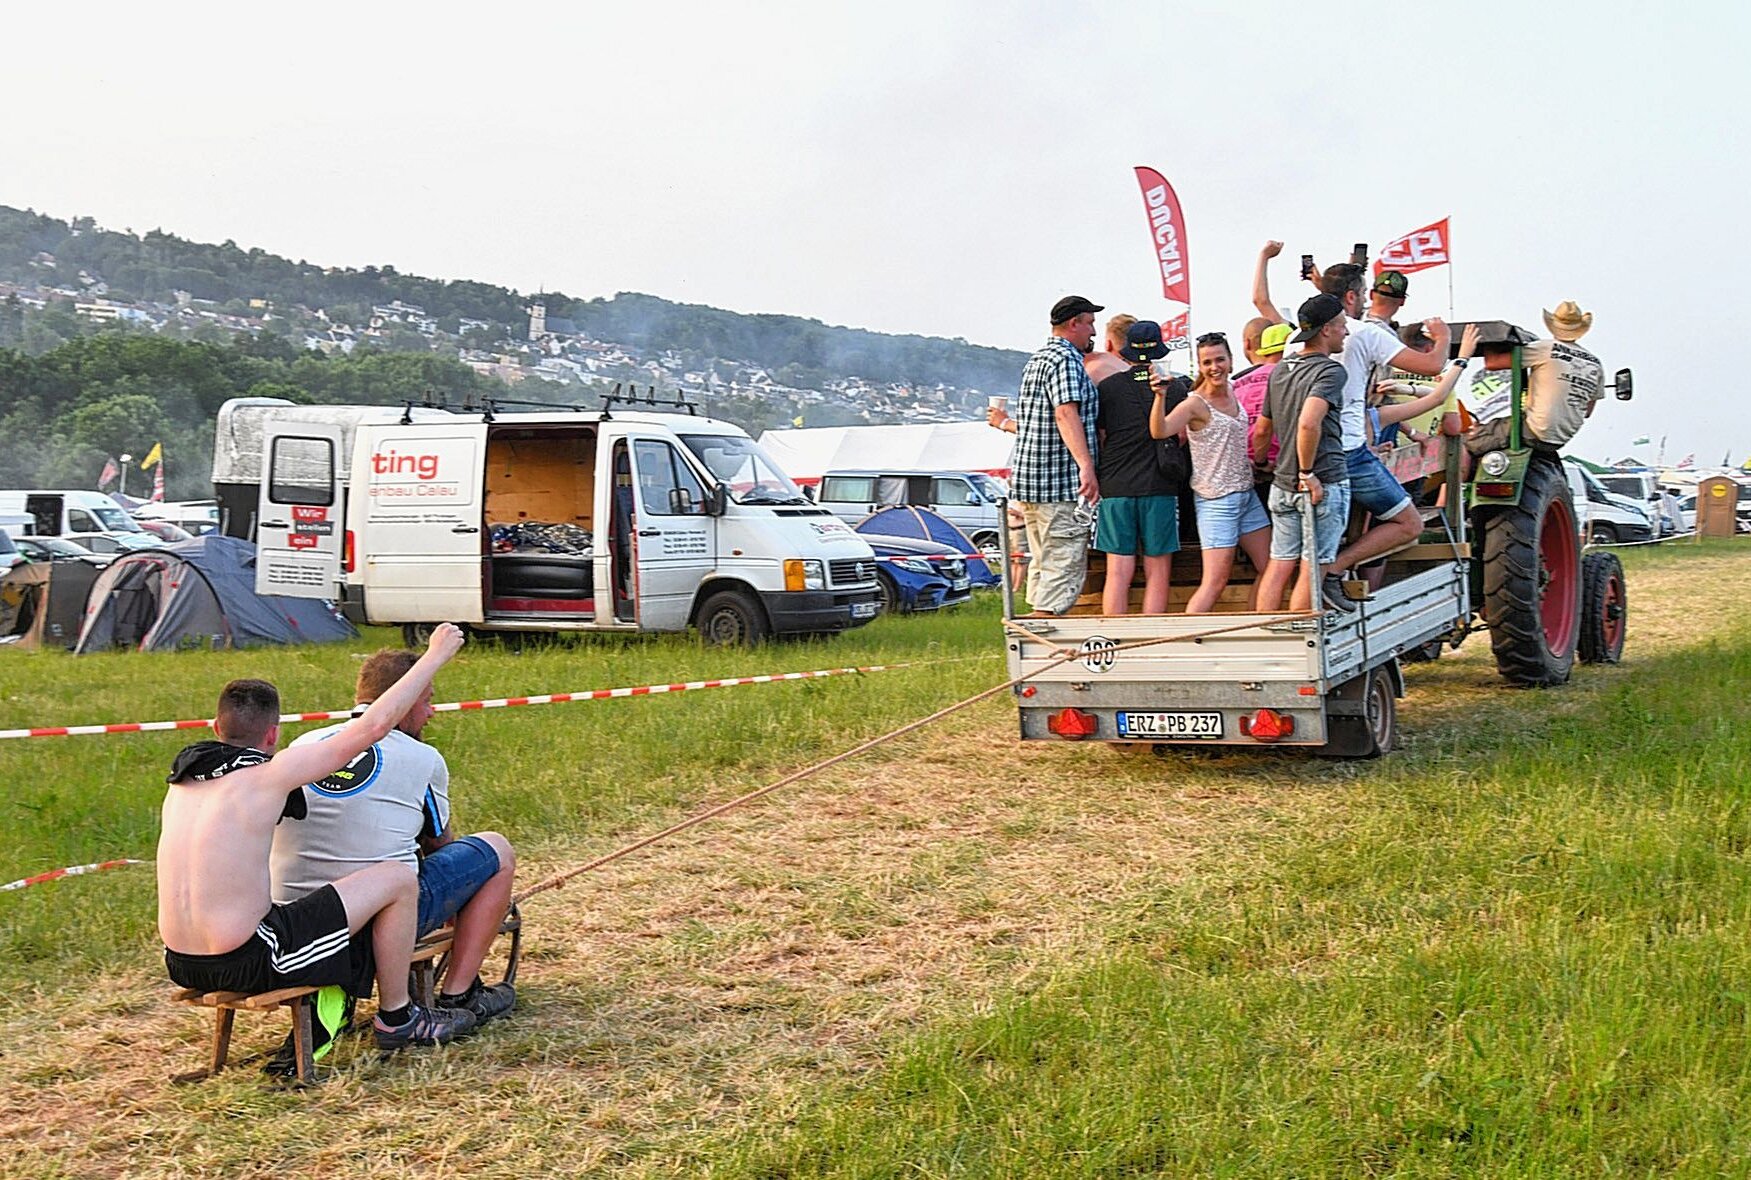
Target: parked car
x=10 y=554
x=114 y=543
x=60 y=549
x=164 y=530
x=917 y=575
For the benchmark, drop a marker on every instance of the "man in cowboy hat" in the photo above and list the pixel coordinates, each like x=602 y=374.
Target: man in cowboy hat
x=1563 y=381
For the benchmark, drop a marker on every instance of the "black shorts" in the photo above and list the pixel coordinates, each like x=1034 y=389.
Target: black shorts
x=304 y=943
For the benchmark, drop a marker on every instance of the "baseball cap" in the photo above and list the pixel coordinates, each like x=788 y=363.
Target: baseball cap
x=1272 y=340
x=1315 y=314
x=1143 y=342
x=1392 y=284
x=1071 y=306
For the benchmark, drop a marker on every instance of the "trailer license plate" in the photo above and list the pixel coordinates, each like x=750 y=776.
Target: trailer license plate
x=1171 y=725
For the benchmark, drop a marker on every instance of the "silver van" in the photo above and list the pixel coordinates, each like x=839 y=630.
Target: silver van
x=968 y=500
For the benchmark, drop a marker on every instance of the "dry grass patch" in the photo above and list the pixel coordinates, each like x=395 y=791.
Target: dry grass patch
x=725 y=975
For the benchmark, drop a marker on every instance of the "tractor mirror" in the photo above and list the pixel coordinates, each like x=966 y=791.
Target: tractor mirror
x=1624 y=384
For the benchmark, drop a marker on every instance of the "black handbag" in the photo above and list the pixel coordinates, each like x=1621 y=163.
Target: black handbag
x=1172 y=462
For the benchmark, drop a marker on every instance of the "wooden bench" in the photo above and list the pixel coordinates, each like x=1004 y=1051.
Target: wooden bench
x=430 y=956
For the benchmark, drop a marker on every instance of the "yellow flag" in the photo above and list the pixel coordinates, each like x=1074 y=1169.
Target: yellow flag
x=155 y=455
x=797 y=421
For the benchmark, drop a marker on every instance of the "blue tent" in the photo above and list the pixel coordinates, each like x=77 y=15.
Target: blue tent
x=198 y=593
x=906 y=520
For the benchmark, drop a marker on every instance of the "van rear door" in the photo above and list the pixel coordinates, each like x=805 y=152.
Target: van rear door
x=420 y=554
x=300 y=527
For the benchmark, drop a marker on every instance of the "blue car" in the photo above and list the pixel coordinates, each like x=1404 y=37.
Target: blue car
x=918 y=575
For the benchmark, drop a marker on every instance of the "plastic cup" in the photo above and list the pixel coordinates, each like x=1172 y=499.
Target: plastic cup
x=998 y=401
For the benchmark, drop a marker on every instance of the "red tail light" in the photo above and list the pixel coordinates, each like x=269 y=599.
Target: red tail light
x=1028 y=690
x=1496 y=491
x=346 y=552
x=1267 y=725
x=1072 y=724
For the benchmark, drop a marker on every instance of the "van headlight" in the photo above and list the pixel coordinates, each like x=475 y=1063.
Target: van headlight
x=1494 y=463
x=802 y=574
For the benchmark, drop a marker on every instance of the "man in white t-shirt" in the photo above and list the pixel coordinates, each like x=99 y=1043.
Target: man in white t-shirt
x=1372 y=350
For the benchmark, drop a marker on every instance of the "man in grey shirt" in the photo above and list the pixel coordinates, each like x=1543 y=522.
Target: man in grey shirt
x=392 y=802
x=1301 y=411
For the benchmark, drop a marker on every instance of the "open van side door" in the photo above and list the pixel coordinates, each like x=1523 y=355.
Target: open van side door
x=300 y=523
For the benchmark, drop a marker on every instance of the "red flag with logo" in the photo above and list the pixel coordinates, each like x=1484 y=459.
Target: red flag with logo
x=110 y=471
x=1167 y=229
x=1418 y=250
x=158 y=482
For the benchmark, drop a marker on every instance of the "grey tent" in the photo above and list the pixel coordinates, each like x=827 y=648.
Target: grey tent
x=42 y=603
x=198 y=593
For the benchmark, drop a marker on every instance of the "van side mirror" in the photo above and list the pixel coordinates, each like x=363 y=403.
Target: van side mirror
x=1624 y=384
x=809 y=493
x=680 y=502
x=717 y=500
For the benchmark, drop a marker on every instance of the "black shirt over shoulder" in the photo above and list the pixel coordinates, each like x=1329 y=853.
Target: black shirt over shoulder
x=1127 y=464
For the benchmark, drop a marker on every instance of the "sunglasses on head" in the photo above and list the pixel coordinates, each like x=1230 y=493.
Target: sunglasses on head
x=1212 y=338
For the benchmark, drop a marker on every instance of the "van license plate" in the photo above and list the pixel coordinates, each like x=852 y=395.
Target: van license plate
x=863 y=610
x=1171 y=725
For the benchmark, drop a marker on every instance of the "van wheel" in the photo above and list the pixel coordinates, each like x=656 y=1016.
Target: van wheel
x=730 y=618
x=990 y=545
x=417 y=635
x=1604 y=534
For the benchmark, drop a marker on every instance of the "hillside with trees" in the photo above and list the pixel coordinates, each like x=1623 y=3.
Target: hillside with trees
x=159 y=267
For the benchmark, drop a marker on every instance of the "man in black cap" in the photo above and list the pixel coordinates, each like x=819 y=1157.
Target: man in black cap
x=1139 y=508
x=1055 y=449
x=1301 y=410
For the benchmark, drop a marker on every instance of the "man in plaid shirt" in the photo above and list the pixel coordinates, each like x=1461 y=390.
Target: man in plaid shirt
x=1054 y=457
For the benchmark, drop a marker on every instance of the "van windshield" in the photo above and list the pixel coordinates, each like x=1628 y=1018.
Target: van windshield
x=116 y=521
x=749 y=472
x=990 y=485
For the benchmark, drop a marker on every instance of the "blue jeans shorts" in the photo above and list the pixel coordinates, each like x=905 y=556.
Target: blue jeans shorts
x=1129 y=524
x=1372 y=487
x=450 y=876
x=1223 y=520
x=1330 y=516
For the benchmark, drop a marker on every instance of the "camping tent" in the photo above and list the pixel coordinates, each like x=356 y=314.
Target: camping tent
x=42 y=602
x=806 y=455
x=908 y=520
x=198 y=593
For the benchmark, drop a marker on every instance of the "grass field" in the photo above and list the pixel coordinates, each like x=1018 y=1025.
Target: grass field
x=1519 y=947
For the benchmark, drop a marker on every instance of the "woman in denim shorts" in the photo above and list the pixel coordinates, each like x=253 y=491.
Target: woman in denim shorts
x=1230 y=516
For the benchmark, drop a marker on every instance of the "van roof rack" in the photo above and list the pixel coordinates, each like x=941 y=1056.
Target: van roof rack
x=632 y=397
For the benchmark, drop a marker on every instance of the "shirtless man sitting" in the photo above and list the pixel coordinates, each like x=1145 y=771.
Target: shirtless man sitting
x=221 y=931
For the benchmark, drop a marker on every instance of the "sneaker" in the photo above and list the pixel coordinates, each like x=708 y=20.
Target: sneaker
x=427 y=1026
x=485 y=1002
x=1331 y=589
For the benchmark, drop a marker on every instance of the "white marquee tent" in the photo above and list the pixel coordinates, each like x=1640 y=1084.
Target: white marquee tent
x=807 y=454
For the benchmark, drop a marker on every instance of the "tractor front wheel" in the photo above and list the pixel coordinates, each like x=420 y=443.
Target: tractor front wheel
x=1532 y=579
x=1604 y=609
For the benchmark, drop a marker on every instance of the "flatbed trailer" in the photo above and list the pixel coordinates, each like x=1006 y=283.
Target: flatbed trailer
x=1324 y=679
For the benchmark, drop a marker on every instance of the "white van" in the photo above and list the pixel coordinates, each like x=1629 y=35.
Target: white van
x=582 y=520
x=68 y=513
x=1605 y=517
x=966 y=499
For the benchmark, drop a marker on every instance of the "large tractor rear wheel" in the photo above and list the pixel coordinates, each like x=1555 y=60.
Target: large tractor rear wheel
x=1532 y=579
x=1604 y=609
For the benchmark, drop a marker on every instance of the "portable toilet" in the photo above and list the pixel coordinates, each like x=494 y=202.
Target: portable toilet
x=1717 y=506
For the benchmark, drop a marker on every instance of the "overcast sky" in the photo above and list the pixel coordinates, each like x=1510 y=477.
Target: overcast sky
x=945 y=169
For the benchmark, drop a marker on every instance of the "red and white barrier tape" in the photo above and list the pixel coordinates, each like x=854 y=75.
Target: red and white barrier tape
x=69 y=871
x=598 y=694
